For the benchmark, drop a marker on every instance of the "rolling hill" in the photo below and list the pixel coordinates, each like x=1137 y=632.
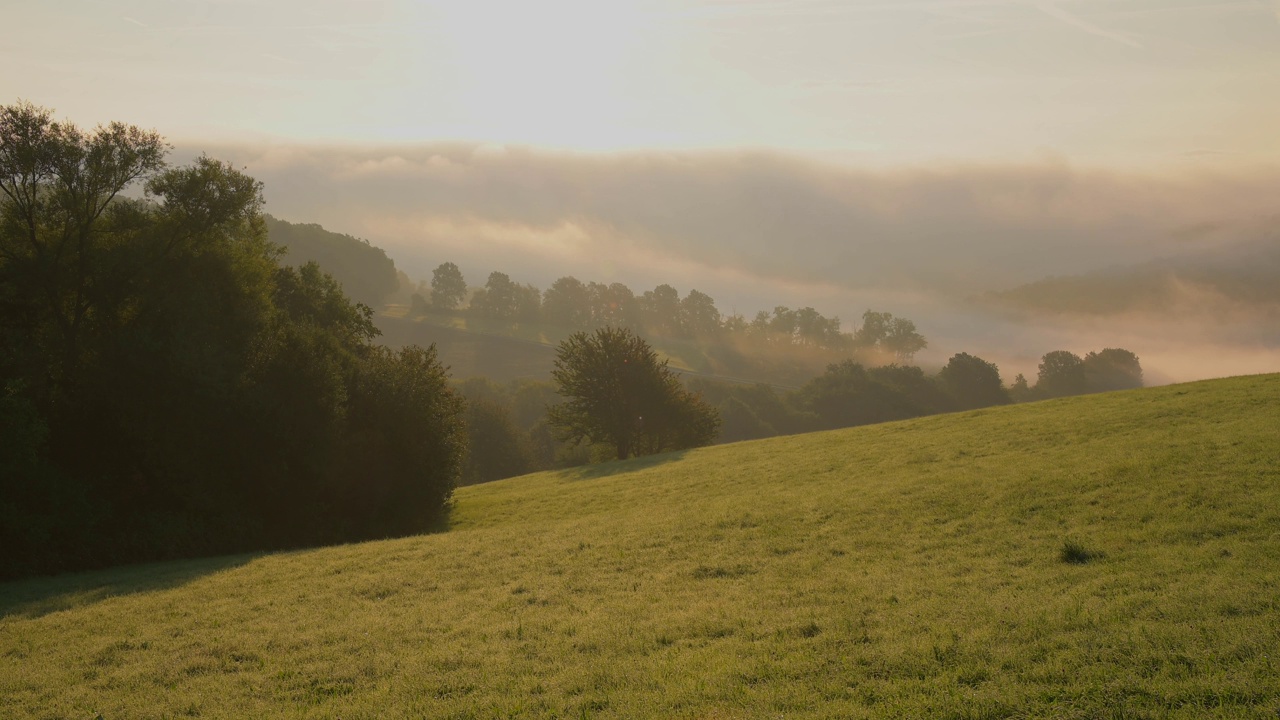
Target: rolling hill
x=1112 y=555
x=1229 y=284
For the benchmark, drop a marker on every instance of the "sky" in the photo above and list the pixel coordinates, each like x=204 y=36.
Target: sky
x=1116 y=82
x=897 y=155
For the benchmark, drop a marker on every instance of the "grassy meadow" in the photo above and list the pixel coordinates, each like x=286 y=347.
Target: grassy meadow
x=1109 y=556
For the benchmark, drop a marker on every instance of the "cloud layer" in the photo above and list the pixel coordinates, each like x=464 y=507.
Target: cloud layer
x=755 y=229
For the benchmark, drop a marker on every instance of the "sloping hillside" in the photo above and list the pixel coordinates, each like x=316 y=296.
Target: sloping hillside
x=1113 y=555
x=1234 y=282
x=472 y=354
x=366 y=273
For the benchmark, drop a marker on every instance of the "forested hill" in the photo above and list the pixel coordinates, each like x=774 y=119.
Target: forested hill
x=1241 y=279
x=365 y=272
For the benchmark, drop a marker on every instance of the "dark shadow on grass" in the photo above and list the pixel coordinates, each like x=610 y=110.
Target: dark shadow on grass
x=616 y=467
x=36 y=597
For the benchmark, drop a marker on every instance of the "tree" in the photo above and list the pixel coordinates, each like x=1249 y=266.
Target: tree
x=847 y=394
x=448 y=287
x=613 y=305
x=567 y=303
x=402 y=445
x=972 y=382
x=59 y=186
x=922 y=394
x=699 y=315
x=903 y=340
x=875 y=328
x=498 y=300
x=1061 y=374
x=783 y=324
x=528 y=304
x=496 y=447
x=894 y=336
x=1019 y=391
x=741 y=422
x=1112 y=369
x=660 y=310
x=617 y=392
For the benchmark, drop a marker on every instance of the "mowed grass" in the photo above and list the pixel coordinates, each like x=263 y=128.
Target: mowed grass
x=1113 y=556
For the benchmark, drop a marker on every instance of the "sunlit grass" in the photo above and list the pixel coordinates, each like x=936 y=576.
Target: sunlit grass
x=914 y=569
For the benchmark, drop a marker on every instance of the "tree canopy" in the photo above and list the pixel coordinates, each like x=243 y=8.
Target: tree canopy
x=1061 y=373
x=168 y=389
x=972 y=382
x=618 y=393
x=1112 y=369
x=448 y=287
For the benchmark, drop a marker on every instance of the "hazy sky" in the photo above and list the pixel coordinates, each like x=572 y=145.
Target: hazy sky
x=893 y=154
x=1117 y=82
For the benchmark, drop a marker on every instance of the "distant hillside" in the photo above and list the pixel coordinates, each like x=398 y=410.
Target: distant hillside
x=1239 y=279
x=366 y=273
x=1114 y=555
x=471 y=354
x=471 y=349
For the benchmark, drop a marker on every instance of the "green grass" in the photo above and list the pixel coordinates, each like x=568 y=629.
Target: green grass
x=928 y=568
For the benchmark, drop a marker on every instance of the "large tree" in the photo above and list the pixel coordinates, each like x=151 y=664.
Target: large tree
x=618 y=393
x=448 y=287
x=972 y=382
x=499 y=300
x=699 y=315
x=660 y=310
x=567 y=303
x=1061 y=373
x=894 y=336
x=1112 y=369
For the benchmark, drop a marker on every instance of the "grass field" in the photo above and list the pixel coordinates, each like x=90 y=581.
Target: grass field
x=1111 y=556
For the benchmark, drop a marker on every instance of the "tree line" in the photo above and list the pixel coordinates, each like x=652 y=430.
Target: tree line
x=519 y=436
x=661 y=313
x=173 y=383
x=168 y=388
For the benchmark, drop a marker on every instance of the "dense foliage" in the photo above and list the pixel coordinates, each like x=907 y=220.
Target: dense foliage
x=168 y=389
x=661 y=314
x=617 y=392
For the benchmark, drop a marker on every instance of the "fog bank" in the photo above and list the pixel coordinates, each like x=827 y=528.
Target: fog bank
x=754 y=229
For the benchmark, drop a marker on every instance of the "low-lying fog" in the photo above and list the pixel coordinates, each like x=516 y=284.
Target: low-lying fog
x=756 y=229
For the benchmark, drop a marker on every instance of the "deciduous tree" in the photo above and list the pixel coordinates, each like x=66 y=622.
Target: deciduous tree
x=617 y=392
x=1112 y=369
x=1061 y=373
x=448 y=287
x=972 y=382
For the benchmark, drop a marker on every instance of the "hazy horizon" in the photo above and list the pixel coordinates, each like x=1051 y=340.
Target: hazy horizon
x=901 y=156
x=755 y=229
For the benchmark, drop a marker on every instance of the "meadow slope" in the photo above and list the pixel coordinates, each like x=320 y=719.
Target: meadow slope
x=1106 y=556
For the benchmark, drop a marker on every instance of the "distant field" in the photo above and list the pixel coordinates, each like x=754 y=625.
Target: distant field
x=1107 y=556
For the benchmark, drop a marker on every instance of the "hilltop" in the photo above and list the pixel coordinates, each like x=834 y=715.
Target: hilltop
x=1110 y=555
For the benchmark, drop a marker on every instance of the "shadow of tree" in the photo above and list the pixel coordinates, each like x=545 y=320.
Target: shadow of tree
x=616 y=467
x=35 y=597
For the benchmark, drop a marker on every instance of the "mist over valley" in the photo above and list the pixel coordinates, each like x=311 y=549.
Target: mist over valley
x=755 y=229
